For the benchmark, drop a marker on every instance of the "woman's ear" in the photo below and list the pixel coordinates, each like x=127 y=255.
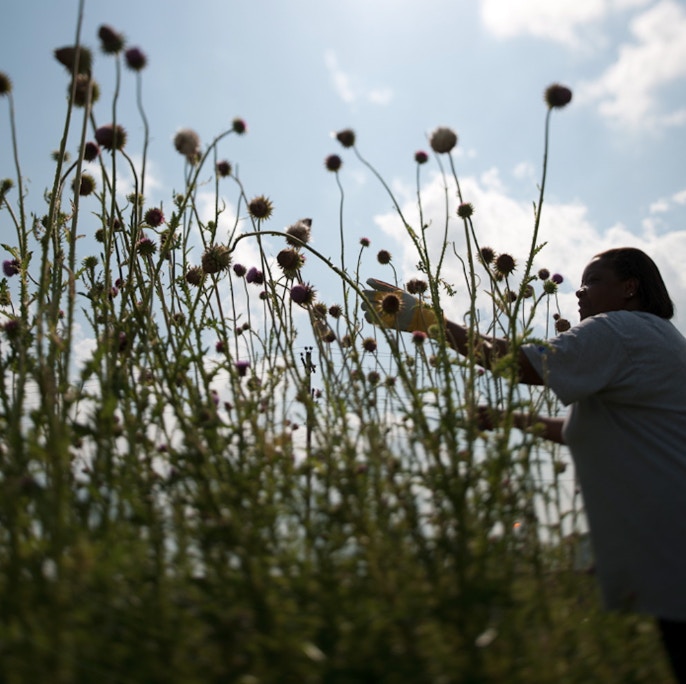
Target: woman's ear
x=631 y=286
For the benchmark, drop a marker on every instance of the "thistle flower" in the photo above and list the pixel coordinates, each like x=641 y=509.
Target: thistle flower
x=223 y=168
x=154 y=217
x=11 y=267
x=443 y=140
x=549 y=287
x=239 y=126
x=333 y=163
x=91 y=151
x=391 y=304
x=300 y=230
x=383 y=257
x=195 y=275
x=486 y=254
x=239 y=270
x=465 y=210
x=365 y=242
x=90 y=262
x=416 y=286
x=544 y=274
x=220 y=346
x=562 y=325
x=87 y=185
x=419 y=337
x=254 y=276
x=111 y=137
x=557 y=96
x=373 y=377
x=369 y=344
x=291 y=261
x=85 y=87
x=242 y=368
x=187 y=143
x=136 y=59
x=215 y=259
x=346 y=137
x=557 y=278
x=505 y=264
x=67 y=56
x=5 y=84
x=146 y=247
x=335 y=311
x=111 y=42
x=303 y=294
x=421 y=157
x=260 y=208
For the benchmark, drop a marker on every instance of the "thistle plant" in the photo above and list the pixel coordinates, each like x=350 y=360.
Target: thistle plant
x=209 y=473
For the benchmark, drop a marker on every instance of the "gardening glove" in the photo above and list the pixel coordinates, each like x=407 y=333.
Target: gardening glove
x=395 y=308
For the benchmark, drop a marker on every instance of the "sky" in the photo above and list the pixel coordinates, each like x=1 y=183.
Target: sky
x=394 y=70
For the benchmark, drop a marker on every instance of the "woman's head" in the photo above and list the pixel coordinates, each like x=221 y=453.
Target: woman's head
x=623 y=278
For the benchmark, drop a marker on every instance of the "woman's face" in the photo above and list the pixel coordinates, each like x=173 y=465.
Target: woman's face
x=601 y=290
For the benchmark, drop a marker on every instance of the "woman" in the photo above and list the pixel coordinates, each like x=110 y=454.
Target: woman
x=622 y=372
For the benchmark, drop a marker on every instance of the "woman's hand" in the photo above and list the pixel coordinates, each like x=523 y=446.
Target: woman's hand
x=394 y=308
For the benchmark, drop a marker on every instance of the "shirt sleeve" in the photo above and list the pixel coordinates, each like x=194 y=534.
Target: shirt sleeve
x=580 y=362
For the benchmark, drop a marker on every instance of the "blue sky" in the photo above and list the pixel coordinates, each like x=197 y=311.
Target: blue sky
x=393 y=70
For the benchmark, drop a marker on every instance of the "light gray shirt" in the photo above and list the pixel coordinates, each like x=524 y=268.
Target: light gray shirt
x=624 y=375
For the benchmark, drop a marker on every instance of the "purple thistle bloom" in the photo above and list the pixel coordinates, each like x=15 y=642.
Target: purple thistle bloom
x=239 y=270
x=135 y=59
x=242 y=368
x=255 y=276
x=11 y=268
x=557 y=278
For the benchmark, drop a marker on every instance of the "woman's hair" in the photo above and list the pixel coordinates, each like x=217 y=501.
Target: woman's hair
x=629 y=262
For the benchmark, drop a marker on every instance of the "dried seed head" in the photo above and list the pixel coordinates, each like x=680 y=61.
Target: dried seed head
x=146 y=247
x=215 y=259
x=187 y=143
x=544 y=274
x=195 y=275
x=557 y=96
x=505 y=264
x=300 y=230
x=111 y=137
x=383 y=257
x=291 y=261
x=346 y=137
x=391 y=304
x=260 y=208
x=67 y=56
x=111 y=41
x=223 y=169
x=416 y=286
x=369 y=344
x=335 y=311
x=136 y=59
x=91 y=151
x=333 y=163
x=239 y=126
x=486 y=254
x=465 y=210
x=87 y=185
x=5 y=84
x=443 y=140
x=562 y=325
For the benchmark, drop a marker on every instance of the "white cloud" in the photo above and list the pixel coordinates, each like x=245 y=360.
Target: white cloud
x=627 y=92
x=558 y=21
x=348 y=87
